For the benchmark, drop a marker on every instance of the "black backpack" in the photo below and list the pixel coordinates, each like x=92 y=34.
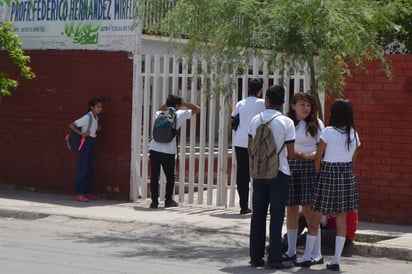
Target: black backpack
x=75 y=141
x=164 y=128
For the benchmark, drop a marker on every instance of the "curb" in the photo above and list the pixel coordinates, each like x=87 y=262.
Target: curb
x=379 y=251
x=17 y=214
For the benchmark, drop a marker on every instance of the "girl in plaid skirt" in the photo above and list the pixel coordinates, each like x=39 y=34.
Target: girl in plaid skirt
x=336 y=191
x=303 y=176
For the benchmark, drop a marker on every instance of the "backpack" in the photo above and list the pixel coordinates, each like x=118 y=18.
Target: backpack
x=264 y=159
x=235 y=122
x=75 y=141
x=164 y=128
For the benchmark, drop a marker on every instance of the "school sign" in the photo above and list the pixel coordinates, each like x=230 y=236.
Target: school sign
x=73 y=24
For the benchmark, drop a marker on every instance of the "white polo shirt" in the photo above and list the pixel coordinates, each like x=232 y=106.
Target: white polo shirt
x=283 y=130
x=336 y=145
x=83 y=122
x=304 y=141
x=247 y=108
x=170 y=148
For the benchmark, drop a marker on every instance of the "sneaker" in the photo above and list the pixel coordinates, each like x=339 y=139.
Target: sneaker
x=91 y=197
x=81 y=198
x=171 y=203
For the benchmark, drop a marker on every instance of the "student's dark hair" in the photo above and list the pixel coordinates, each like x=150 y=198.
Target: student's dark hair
x=94 y=102
x=276 y=95
x=173 y=100
x=342 y=119
x=255 y=85
x=312 y=122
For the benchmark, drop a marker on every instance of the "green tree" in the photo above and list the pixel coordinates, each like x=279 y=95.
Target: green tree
x=401 y=13
x=10 y=42
x=333 y=37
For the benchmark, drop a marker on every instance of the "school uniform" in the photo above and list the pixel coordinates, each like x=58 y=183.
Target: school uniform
x=85 y=162
x=164 y=155
x=337 y=189
x=271 y=191
x=247 y=109
x=303 y=172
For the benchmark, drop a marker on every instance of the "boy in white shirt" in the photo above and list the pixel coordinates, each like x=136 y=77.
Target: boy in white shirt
x=164 y=154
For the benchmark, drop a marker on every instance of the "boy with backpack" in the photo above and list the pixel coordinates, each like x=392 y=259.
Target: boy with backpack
x=271 y=142
x=163 y=147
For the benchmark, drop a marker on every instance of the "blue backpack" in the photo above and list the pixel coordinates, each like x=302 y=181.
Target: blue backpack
x=75 y=141
x=164 y=128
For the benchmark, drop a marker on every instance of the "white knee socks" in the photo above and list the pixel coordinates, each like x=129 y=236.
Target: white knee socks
x=292 y=238
x=316 y=252
x=310 y=242
x=339 y=243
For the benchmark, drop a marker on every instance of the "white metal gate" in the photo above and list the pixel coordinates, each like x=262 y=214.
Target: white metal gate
x=206 y=163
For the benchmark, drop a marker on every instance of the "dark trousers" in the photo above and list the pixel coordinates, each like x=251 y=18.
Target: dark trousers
x=274 y=193
x=85 y=167
x=167 y=162
x=242 y=176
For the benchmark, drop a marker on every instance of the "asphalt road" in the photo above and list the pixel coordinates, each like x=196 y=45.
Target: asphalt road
x=60 y=244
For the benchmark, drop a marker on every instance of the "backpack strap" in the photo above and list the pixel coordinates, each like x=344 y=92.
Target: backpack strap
x=83 y=139
x=281 y=149
x=268 y=122
x=90 y=121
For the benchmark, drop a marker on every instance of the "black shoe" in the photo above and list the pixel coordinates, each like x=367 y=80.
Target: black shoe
x=320 y=261
x=334 y=267
x=171 y=203
x=307 y=263
x=279 y=265
x=286 y=258
x=257 y=262
x=154 y=205
x=245 y=211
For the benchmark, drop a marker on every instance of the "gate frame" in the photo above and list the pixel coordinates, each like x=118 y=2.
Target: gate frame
x=164 y=72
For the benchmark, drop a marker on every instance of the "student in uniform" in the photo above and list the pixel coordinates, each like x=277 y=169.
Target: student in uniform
x=336 y=191
x=85 y=162
x=308 y=128
x=273 y=192
x=163 y=155
x=246 y=108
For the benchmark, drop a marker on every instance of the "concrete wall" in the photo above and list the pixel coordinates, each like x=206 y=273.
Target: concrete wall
x=383 y=118
x=34 y=121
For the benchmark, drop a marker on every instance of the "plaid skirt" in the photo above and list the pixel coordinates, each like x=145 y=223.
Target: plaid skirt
x=302 y=181
x=336 y=190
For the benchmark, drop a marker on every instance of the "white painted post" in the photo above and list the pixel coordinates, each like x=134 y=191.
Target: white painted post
x=211 y=143
x=146 y=124
x=182 y=154
x=202 y=137
x=222 y=150
x=135 y=180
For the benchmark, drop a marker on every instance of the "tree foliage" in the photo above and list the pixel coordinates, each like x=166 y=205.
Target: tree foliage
x=332 y=37
x=401 y=13
x=10 y=42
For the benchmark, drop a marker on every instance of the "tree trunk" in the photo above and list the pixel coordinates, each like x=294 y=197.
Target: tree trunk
x=314 y=86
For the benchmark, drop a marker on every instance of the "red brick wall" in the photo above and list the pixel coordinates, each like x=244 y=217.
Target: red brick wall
x=383 y=118
x=35 y=120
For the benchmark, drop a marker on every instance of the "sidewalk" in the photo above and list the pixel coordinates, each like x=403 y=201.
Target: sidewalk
x=32 y=205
